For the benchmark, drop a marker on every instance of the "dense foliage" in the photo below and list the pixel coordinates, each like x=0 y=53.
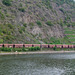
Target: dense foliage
x=7 y=2
x=5 y=49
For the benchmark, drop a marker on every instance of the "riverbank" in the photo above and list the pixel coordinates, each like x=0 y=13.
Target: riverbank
x=35 y=52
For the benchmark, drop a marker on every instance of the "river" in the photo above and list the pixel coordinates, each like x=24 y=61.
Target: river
x=38 y=64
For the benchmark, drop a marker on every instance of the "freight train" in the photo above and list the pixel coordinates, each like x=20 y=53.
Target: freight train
x=37 y=45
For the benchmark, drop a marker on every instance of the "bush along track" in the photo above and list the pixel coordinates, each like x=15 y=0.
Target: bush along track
x=5 y=49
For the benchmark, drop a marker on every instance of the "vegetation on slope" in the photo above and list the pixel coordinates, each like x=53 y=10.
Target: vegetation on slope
x=37 y=21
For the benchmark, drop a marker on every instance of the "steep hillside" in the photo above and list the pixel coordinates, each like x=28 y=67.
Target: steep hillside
x=37 y=21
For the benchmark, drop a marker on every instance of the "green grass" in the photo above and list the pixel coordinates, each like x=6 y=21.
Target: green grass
x=72 y=40
x=70 y=36
x=69 y=32
x=68 y=29
x=64 y=40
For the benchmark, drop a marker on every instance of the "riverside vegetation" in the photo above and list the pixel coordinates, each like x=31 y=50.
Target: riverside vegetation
x=5 y=49
x=37 y=21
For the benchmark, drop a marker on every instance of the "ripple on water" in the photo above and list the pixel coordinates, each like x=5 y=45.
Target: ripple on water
x=38 y=64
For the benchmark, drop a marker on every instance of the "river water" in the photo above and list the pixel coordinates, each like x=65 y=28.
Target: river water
x=38 y=64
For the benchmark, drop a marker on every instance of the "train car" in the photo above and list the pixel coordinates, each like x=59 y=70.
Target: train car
x=44 y=45
x=65 y=46
x=71 y=46
x=1 y=45
x=36 y=45
x=5 y=45
x=74 y=46
x=18 y=45
x=28 y=45
x=10 y=45
x=51 y=46
x=59 y=46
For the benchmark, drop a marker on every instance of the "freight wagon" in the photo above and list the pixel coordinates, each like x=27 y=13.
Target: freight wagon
x=37 y=45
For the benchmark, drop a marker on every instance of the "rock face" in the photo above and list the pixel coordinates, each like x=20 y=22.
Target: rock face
x=35 y=21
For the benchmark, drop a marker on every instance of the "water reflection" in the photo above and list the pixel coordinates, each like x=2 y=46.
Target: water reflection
x=38 y=64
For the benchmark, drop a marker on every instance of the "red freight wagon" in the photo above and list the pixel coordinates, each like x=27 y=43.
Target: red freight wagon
x=1 y=45
x=51 y=46
x=10 y=45
x=71 y=46
x=6 y=45
x=18 y=45
x=36 y=45
x=74 y=46
x=28 y=45
x=44 y=45
x=59 y=46
x=65 y=46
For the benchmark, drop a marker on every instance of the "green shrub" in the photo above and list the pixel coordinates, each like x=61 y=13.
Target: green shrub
x=25 y=25
x=2 y=15
x=6 y=49
x=62 y=10
x=8 y=37
x=31 y=49
x=38 y=23
x=17 y=49
x=20 y=4
x=22 y=9
x=38 y=5
x=1 y=40
x=23 y=49
x=42 y=18
x=23 y=28
x=1 y=33
x=73 y=24
x=31 y=23
x=6 y=2
x=10 y=26
x=49 y=23
x=9 y=33
x=20 y=31
x=54 y=48
x=7 y=15
x=4 y=31
x=34 y=48
x=0 y=8
x=61 y=22
x=47 y=3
